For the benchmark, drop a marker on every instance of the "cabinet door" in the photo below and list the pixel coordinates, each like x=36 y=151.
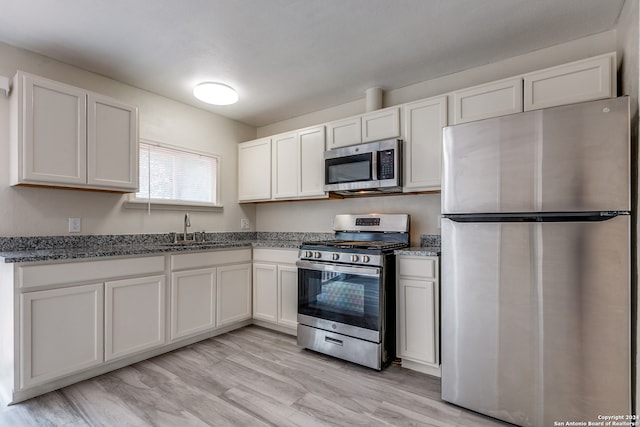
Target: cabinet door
x=311 y=167
x=193 y=295
x=254 y=170
x=112 y=144
x=579 y=81
x=61 y=332
x=489 y=100
x=344 y=132
x=288 y=296
x=54 y=133
x=233 y=294
x=381 y=124
x=134 y=315
x=265 y=292
x=417 y=328
x=284 y=166
x=423 y=123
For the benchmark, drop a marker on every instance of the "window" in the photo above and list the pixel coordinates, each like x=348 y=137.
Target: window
x=176 y=176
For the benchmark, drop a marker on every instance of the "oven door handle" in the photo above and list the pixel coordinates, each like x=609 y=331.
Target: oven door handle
x=360 y=271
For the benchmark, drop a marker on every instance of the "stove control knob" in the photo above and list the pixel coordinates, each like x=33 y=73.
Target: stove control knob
x=308 y=254
x=365 y=258
x=354 y=258
x=317 y=255
x=335 y=257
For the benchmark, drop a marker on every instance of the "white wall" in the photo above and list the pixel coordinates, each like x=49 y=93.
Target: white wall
x=37 y=211
x=318 y=215
x=424 y=209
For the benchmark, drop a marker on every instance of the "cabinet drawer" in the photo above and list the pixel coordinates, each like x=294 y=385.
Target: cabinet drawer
x=278 y=256
x=31 y=276
x=206 y=259
x=424 y=267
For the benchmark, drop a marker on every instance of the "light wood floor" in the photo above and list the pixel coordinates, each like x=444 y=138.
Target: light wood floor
x=249 y=377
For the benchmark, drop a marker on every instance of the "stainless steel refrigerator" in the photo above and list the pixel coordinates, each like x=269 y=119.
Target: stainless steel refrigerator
x=536 y=264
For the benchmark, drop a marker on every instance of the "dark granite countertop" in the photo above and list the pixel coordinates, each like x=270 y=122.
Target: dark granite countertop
x=419 y=251
x=137 y=249
x=55 y=248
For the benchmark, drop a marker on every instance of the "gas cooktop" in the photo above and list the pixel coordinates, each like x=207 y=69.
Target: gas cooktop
x=355 y=244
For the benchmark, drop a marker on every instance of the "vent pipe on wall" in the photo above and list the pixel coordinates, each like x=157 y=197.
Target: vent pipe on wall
x=4 y=85
x=373 y=99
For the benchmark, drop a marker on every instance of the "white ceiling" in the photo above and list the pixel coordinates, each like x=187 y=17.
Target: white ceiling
x=290 y=57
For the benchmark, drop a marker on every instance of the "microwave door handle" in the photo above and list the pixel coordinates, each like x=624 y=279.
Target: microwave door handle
x=361 y=271
x=374 y=165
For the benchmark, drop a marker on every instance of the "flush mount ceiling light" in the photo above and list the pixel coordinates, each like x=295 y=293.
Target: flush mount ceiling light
x=215 y=93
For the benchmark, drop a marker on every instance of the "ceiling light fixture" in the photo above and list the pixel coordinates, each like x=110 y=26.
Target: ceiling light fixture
x=215 y=93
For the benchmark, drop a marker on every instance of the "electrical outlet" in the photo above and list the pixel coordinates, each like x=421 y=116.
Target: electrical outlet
x=74 y=225
x=244 y=224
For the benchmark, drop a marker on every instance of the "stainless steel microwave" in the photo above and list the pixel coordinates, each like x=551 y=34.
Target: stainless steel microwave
x=374 y=167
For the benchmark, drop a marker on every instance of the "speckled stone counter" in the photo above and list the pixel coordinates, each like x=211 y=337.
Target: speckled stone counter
x=429 y=246
x=52 y=248
x=419 y=251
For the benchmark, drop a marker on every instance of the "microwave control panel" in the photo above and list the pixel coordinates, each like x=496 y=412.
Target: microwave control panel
x=386 y=164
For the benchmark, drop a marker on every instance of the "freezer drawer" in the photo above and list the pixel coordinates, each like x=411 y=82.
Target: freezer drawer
x=536 y=319
x=562 y=159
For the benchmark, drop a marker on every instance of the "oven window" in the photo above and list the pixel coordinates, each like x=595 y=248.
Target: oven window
x=348 y=169
x=346 y=298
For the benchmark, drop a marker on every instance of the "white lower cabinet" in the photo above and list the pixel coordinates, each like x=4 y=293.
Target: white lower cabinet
x=209 y=290
x=134 y=316
x=61 y=332
x=233 y=302
x=288 y=296
x=418 y=313
x=192 y=302
x=265 y=292
x=275 y=288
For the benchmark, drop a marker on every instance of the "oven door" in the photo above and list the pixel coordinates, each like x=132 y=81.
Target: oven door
x=343 y=299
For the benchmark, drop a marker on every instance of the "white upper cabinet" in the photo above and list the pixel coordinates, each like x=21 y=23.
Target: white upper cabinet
x=285 y=166
x=381 y=124
x=298 y=164
x=254 y=170
x=372 y=126
x=585 y=80
x=112 y=144
x=311 y=155
x=487 y=100
x=342 y=133
x=64 y=136
x=423 y=123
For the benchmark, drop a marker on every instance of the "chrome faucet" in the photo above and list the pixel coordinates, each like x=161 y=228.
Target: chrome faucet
x=187 y=224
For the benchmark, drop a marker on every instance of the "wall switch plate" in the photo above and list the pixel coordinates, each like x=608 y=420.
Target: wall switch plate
x=244 y=224
x=74 y=225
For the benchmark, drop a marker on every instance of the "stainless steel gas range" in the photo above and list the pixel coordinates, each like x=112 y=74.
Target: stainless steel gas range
x=346 y=289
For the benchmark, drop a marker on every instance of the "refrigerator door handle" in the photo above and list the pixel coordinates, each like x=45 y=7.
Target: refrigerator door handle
x=537 y=217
